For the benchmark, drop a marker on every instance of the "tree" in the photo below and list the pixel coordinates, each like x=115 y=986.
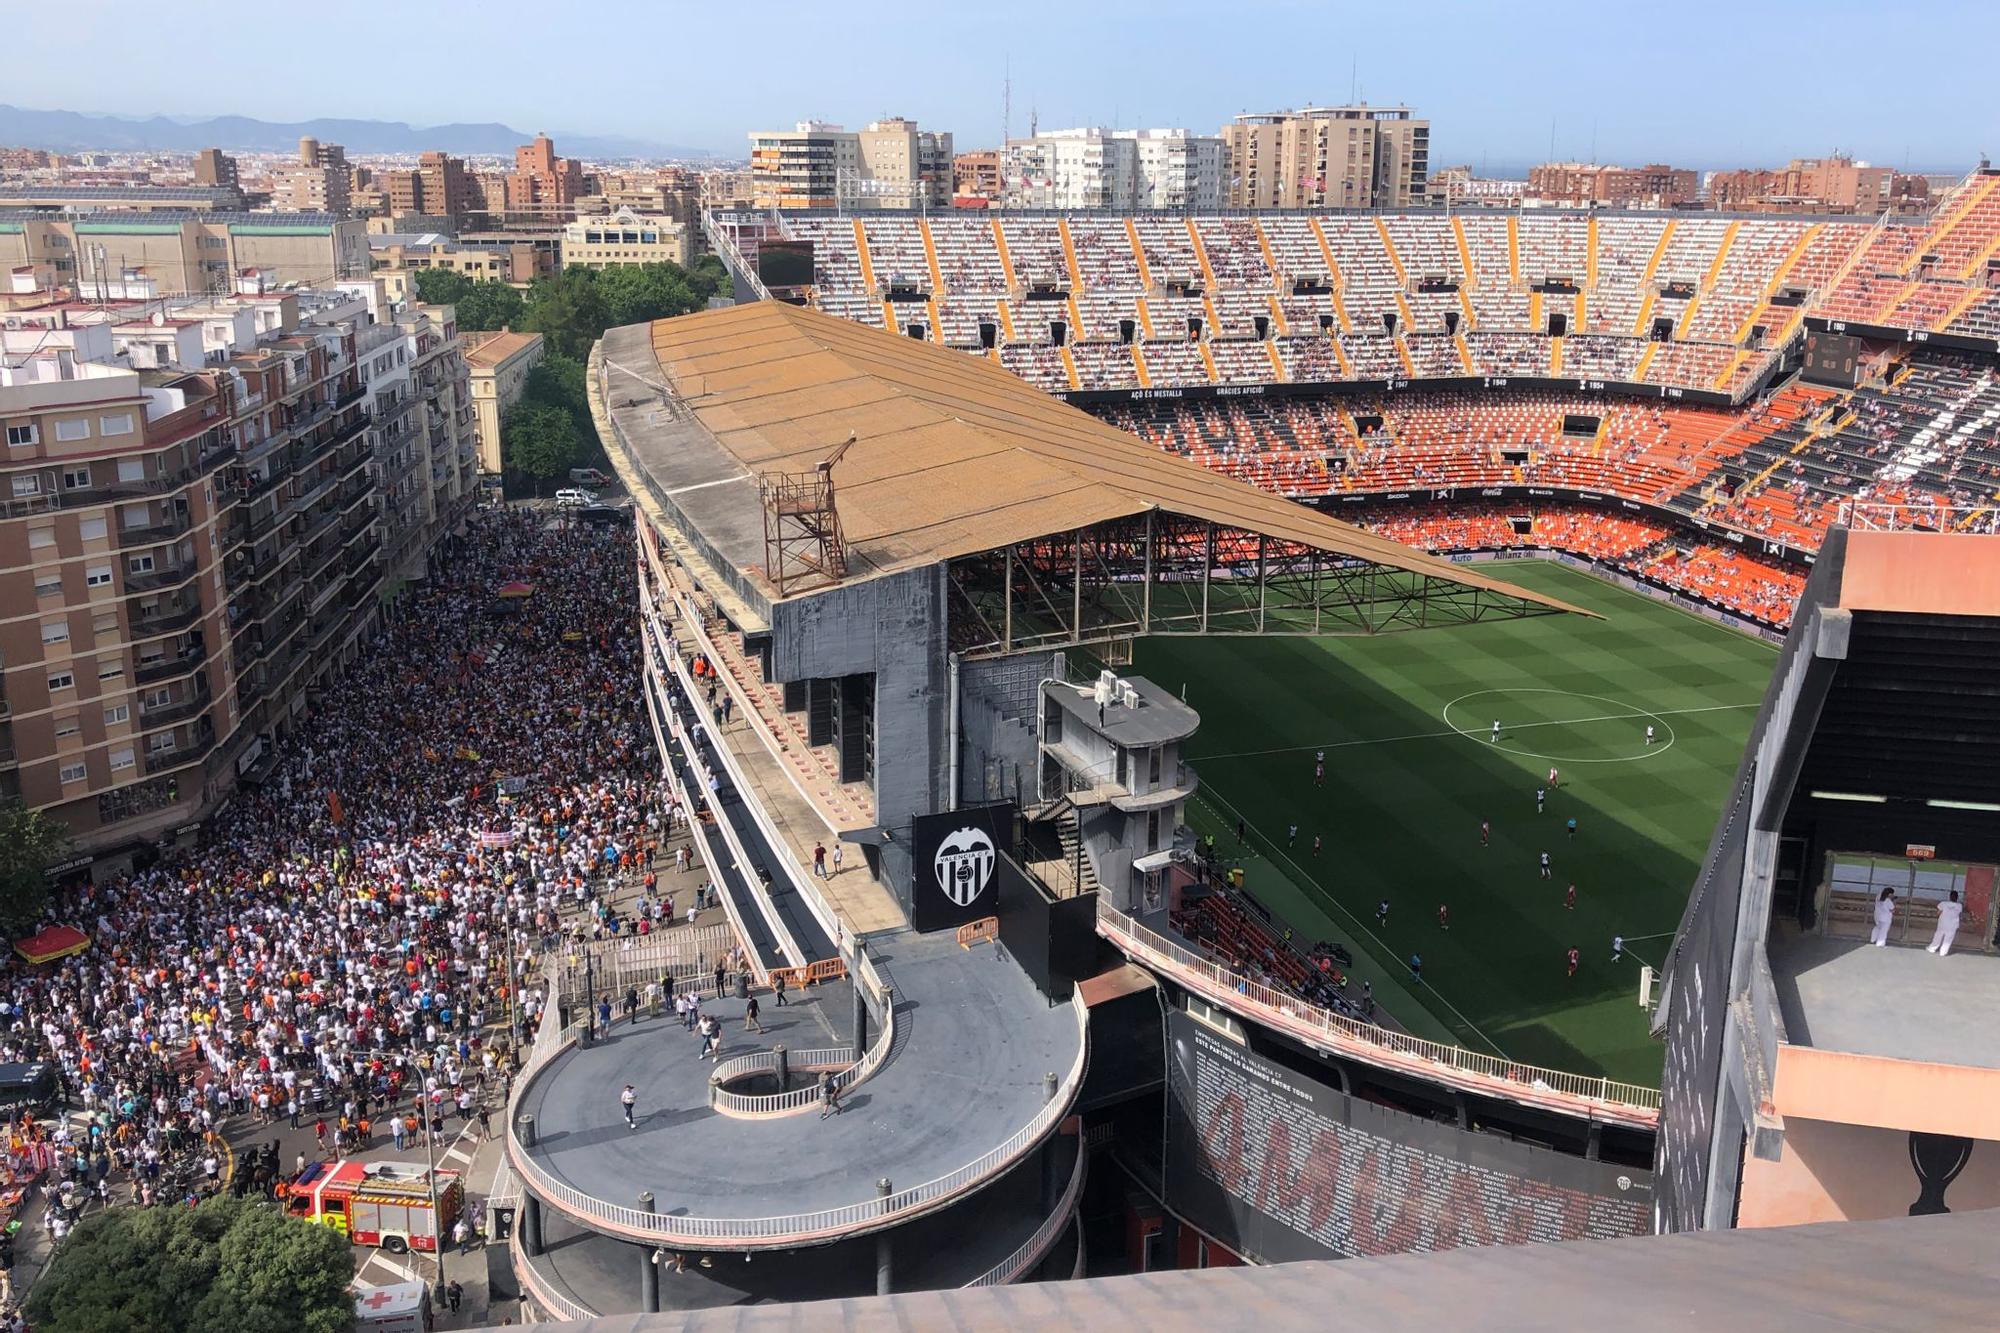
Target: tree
x=440 y=286
x=558 y=381
x=229 y=1265
x=538 y=441
x=567 y=309
x=30 y=842
x=490 y=305
x=710 y=277
x=639 y=293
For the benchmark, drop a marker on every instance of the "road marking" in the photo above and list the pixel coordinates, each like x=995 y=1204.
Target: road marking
x=402 y=1272
x=1440 y=735
x=457 y=1151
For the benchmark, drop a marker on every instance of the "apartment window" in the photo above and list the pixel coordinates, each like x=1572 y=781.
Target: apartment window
x=76 y=479
x=105 y=622
x=117 y=715
x=20 y=437
x=121 y=759
x=71 y=773
x=71 y=431
x=131 y=469
x=26 y=485
x=111 y=669
x=159 y=698
x=97 y=576
x=139 y=564
x=55 y=631
x=48 y=584
x=61 y=680
x=68 y=726
x=160 y=742
x=92 y=529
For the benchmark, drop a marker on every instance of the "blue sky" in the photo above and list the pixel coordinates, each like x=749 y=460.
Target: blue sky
x=1696 y=83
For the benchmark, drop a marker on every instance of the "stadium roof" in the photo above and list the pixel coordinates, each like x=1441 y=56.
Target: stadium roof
x=1930 y=573
x=1900 y=1273
x=954 y=456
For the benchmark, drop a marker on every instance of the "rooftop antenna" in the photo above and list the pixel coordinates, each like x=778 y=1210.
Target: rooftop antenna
x=1353 y=77
x=1593 y=140
x=1006 y=100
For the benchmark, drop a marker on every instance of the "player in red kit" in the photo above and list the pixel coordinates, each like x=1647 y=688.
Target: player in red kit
x=1569 y=899
x=1572 y=960
x=1444 y=917
x=1485 y=833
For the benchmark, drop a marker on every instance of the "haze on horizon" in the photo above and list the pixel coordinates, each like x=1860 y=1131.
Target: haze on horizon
x=1705 y=84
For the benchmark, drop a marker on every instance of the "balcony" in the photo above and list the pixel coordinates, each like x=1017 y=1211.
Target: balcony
x=165 y=620
x=159 y=761
x=165 y=530
x=160 y=577
x=174 y=664
x=151 y=719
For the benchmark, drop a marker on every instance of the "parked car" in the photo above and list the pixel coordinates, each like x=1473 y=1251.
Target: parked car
x=589 y=476
x=570 y=497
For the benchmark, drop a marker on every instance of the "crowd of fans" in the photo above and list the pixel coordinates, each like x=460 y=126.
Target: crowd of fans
x=336 y=946
x=1722 y=576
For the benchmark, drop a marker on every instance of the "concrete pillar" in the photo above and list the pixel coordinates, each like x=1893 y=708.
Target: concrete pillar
x=885 y=1250
x=784 y=1070
x=649 y=1267
x=860 y=1015
x=1594 y=1144
x=527 y=1131
x=1049 y=1082
x=531 y=1225
x=1052 y=1173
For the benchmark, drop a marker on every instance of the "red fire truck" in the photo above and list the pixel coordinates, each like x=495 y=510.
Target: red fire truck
x=376 y=1203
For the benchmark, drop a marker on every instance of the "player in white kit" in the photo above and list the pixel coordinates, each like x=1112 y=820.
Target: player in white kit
x=1947 y=925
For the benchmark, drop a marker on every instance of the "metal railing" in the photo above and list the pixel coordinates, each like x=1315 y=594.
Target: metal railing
x=1494 y=1074
x=545 y=1295
x=1032 y=1249
x=790 y=1229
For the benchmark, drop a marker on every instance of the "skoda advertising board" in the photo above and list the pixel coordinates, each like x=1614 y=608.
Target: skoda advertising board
x=955 y=856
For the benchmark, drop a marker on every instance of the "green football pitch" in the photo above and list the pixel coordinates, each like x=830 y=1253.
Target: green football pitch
x=1405 y=721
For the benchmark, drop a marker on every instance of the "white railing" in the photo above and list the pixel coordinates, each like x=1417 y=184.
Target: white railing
x=1034 y=1247
x=1515 y=1081
x=546 y=1296
x=686 y=952
x=690 y=616
x=849 y=1071
x=668 y=653
x=738 y=857
x=795 y=1228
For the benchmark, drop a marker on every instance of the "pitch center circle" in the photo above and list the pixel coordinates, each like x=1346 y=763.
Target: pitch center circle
x=1591 y=709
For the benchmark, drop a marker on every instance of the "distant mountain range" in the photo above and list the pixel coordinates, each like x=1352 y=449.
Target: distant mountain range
x=73 y=131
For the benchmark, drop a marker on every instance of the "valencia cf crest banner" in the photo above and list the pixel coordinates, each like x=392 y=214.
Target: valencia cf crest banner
x=955 y=857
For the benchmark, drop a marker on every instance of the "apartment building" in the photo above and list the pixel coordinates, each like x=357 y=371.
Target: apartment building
x=976 y=175
x=1820 y=184
x=512 y=262
x=182 y=253
x=212 y=166
x=890 y=164
x=625 y=237
x=191 y=538
x=1328 y=157
x=543 y=184
x=1116 y=169
x=498 y=366
x=671 y=192
x=320 y=182
x=1581 y=184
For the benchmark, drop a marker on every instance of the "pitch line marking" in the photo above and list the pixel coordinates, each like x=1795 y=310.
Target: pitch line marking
x=1440 y=735
x=1647 y=753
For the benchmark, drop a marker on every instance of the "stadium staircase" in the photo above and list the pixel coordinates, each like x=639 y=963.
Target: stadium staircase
x=1138 y=253
x=1514 y=251
x=1069 y=831
x=1555 y=350
x=1799 y=247
x=1956 y=210
x=1201 y=257
x=1646 y=359
x=1069 y=367
x=1535 y=312
x=1708 y=281
x=1469 y=321
x=930 y=256
x=1139 y=367
x=868 y=275
x=1069 y=260
x=1335 y=278
x=1464 y=354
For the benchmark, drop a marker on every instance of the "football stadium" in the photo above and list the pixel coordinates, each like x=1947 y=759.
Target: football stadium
x=1356 y=725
